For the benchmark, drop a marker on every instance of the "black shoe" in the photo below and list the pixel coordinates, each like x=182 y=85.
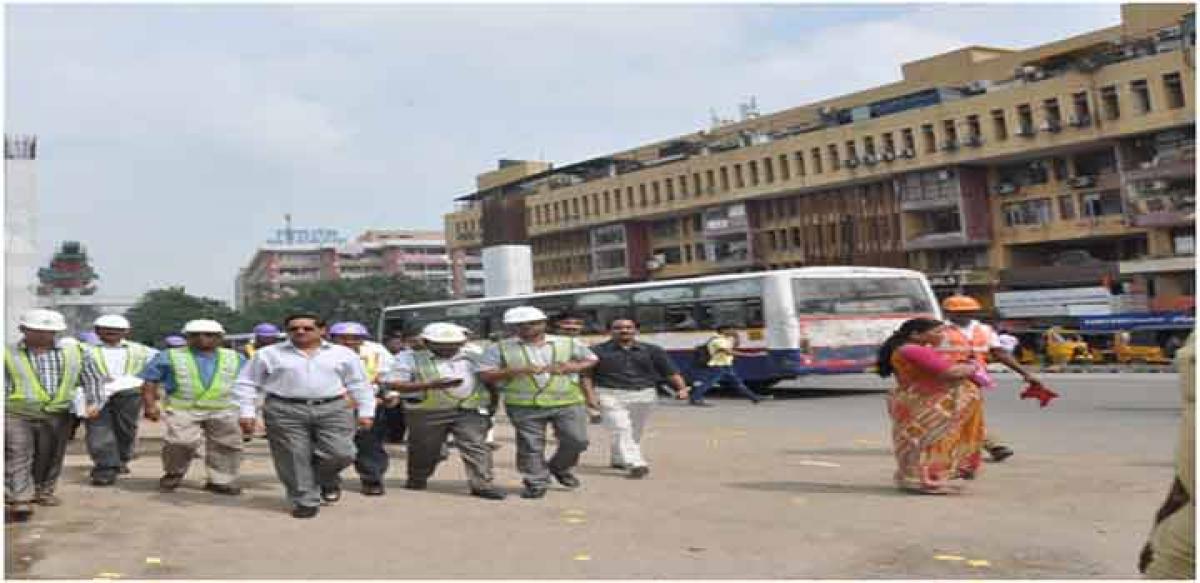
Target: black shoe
x=533 y=492
x=124 y=469
x=701 y=404
x=639 y=472
x=566 y=478
x=1000 y=453
x=103 y=481
x=20 y=513
x=489 y=494
x=619 y=466
x=305 y=511
x=225 y=489
x=372 y=489
x=169 y=482
x=412 y=484
x=331 y=494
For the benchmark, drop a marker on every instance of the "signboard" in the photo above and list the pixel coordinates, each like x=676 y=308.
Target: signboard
x=306 y=237
x=1078 y=301
x=1128 y=321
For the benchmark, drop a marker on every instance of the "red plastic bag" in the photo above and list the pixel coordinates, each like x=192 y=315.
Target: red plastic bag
x=1040 y=392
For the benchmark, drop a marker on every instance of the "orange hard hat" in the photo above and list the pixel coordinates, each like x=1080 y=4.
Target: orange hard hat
x=960 y=303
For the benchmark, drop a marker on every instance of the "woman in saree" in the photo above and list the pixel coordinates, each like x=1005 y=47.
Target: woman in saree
x=936 y=410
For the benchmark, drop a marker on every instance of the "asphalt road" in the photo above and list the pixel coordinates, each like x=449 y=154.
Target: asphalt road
x=799 y=487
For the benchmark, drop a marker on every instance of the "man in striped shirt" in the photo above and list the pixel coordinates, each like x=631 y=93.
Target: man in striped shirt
x=41 y=377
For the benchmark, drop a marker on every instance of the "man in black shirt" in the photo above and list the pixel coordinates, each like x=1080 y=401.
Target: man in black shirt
x=625 y=379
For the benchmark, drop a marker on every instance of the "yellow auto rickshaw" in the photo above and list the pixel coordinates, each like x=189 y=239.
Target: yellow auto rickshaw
x=1066 y=347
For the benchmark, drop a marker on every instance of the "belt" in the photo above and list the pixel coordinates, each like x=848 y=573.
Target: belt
x=300 y=401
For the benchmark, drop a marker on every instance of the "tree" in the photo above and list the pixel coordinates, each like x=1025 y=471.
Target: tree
x=163 y=312
x=360 y=300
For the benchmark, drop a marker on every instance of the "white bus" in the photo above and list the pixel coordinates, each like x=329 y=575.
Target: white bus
x=811 y=320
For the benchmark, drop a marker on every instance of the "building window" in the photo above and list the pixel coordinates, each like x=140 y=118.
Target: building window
x=869 y=146
x=798 y=157
x=1080 y=110
x=710 y=178
x=1052 y=112
x=768 y=170
x=950 y=131
x=1029 y=212
x=1110 y=102
x=928 y=139
x=612 y=259
x=785 y=172
x=738 y=180
x=752 y=166
x=1173 y=87
x=1102 y=204
x=816 y=160
x=974 y=132
x=906 y=136
x=1141 y=95
x=797 y=238
x=657 y=196
x=851 y=150
x=1184 y=242
x=587 y=207
x=697 y=187
x=642 y=195
x=670 y=183
x=629 y=197
x=889 y=143
x=1066 y=207
x=835 y=161
x=608 y=203
x=1024 y=120
x=682 y=182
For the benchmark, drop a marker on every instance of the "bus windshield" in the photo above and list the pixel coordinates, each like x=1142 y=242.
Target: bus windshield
x=859 y=296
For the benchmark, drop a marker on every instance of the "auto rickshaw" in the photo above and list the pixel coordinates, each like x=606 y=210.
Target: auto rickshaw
x=1066 y=347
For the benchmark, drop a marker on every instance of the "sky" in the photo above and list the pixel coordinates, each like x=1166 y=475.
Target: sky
x=174 y=138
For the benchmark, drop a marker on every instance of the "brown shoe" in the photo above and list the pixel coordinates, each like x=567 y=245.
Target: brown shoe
x=169 y=482
x=47 y=500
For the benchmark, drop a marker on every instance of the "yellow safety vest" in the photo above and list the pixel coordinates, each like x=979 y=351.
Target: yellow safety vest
x=139 y=355
x=190 y=392
x=29 y=396
x=426 y=370
x=524 y=391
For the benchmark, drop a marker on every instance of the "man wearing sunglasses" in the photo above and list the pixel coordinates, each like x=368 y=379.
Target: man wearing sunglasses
x=309 y=427
x=199 y=409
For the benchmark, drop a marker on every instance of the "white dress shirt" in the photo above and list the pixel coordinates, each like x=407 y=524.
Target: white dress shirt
x=286 y=371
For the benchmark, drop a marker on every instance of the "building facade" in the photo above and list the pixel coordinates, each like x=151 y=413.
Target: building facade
x=417 y=254
x=20 y=228
x=1066 y=165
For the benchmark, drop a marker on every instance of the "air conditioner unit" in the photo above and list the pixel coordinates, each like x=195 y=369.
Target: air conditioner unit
x=1005 y=188
x=888 y=156
x=908 y=153
x=1081 y=181
x=1050 y=126
x=870 y=160
x=974 y=141
x=851 y=163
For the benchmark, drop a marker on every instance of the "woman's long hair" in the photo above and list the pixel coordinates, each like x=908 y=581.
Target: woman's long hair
x=898 y=338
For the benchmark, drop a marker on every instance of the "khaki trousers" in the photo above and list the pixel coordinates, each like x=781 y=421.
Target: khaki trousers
x=217 y=431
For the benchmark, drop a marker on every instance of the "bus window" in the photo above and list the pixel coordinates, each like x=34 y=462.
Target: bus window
x=743 y=288
x=745 y=313
x=553 y=306
x=666 y=308
x=469 y=316
x=600 y=308
x=859 y=296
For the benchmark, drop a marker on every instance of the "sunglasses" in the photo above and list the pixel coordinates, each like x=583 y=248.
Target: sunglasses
x=301 y=328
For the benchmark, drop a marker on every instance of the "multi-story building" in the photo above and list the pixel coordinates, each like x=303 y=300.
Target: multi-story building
x=1069 y=164
x=418 y=254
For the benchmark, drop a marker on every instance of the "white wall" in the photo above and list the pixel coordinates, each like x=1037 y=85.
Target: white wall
x=507 y=270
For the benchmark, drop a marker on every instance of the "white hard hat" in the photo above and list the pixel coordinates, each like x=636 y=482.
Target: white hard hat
x=443 y=333
x=111 y=321
x=203 y=326
x=47 y=320
x=522 y=314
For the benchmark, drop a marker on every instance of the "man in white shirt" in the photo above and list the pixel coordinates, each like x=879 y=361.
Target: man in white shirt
x=112 y=435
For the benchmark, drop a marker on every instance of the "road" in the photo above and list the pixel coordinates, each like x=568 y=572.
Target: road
x=798 y=487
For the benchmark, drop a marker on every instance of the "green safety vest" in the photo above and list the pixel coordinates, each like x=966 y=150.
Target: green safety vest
x=29 y=397
x=190 y=392
x=426 y=370
x=524 y=391
x=139 y=355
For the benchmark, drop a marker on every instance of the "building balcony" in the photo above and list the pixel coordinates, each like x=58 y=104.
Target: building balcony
x=1180 y=165
x=1158 y=265
x=1059 y=275
x=941 y=241
x=926 y=204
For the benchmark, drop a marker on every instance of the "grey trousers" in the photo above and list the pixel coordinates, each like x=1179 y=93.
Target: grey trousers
x=112 y=435
x=33 y=454
x=570 y=426
x=310 y=444
x=217 y=431
x=427 y=430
